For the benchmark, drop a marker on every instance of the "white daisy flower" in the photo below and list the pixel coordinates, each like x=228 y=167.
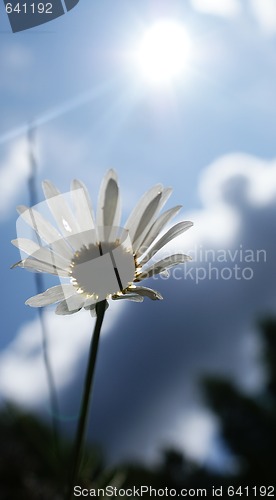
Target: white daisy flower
x=99 y=259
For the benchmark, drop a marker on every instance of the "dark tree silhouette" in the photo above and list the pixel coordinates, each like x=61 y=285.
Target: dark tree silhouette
x=249 y=424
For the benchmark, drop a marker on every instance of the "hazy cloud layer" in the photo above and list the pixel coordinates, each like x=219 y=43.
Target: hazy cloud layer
x=14 y=171
x=227 y=8
x=263 y=11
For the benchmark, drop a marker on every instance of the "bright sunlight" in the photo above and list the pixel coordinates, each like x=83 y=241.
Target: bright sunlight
x=164 y=52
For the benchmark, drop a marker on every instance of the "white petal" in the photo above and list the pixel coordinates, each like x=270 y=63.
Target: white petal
x=42 y=254
x=136 y=214
x=163 y=265
x=146 y=292
x=71 y=305
x=156 y=228
x=62 y=309
x=109 y=209
x=44 y=230
x=92 y=309
x=52 y=295
x=64 y=217
x=42 y=267
x=128 y=296
x=166 y=193
x=146 y=217
x=145 y=221
x=84 y=212
x=172 y=233
x=27 y=246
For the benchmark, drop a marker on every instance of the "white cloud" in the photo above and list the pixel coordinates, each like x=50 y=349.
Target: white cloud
x=217 y=183
x=14 y=171
x=224 y=185
x=23 y=358
x=265 y=13
x=196 y=431
x=68 y=340
x=224 y=8
x=49 y=152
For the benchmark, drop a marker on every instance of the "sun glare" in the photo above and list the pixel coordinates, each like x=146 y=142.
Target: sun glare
x=163 y=52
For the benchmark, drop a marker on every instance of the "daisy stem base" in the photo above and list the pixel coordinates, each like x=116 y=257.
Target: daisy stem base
x=88 y=385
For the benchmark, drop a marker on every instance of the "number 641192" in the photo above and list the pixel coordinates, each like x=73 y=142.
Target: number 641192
x=33 y=8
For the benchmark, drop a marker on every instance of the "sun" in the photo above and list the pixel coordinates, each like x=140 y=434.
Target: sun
x=163 y=52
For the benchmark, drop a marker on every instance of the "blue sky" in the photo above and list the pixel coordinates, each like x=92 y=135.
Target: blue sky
x=210 y=136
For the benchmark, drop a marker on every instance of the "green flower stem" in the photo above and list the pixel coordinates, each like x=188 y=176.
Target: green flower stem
x=100 y=311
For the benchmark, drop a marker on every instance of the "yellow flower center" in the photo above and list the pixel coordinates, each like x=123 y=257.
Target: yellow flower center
x=102 y=269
